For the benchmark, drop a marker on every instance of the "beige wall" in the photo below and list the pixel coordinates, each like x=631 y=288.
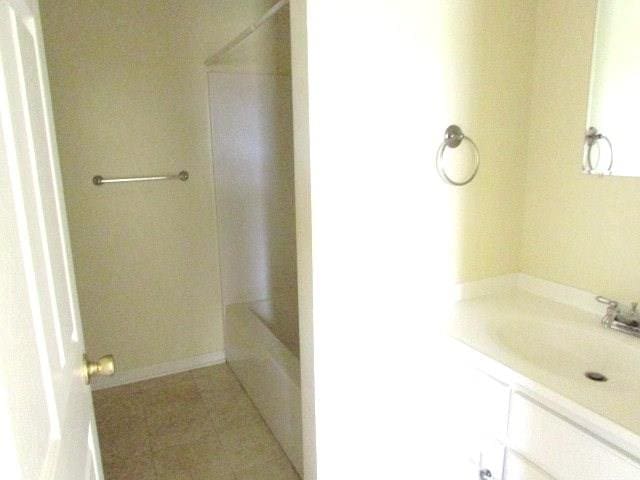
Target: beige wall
x=579 y=230
x=130 y=97
x=487 y=70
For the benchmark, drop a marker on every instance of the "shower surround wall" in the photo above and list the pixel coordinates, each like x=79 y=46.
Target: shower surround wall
x=253 y=169
x=129 y=95
x=254 y=182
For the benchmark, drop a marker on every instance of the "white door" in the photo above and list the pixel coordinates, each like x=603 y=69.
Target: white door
x=47 y=427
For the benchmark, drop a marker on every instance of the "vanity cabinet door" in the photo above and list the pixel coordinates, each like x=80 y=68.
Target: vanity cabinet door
x=481 y=408
x=517 y=468
x=491 y=461
x=564 y=450
x=463 y=470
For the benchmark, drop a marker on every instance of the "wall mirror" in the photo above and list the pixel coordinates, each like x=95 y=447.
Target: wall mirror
x=612 y=142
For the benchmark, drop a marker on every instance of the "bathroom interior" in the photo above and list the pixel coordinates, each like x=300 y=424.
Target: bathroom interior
x=339 y=285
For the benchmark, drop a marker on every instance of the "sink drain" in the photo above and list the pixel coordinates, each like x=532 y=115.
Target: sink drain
x=595 y=376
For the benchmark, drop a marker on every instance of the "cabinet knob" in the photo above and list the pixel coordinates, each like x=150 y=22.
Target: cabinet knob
x=485 y=474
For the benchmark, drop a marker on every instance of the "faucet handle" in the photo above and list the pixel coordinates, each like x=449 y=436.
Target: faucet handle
x=608 y=302
x=630 y=317
x=612 y=310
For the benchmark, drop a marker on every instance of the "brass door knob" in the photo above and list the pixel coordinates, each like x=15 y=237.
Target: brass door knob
x=105 y=366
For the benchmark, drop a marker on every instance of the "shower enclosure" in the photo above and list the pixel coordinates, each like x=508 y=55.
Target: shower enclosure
x=251 y=125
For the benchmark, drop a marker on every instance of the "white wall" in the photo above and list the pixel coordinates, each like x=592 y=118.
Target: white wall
x=302 y=171
x=384 y=80
x=130 y=97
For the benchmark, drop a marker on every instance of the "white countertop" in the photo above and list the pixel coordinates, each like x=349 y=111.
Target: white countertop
x=545 y=347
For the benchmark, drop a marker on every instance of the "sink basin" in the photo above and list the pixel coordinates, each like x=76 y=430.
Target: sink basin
x=570 y=349
x=550 y=346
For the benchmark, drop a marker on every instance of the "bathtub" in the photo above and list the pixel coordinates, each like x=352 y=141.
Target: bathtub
x=261 y=343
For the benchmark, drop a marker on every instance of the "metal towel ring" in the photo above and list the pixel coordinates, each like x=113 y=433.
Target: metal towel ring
x=453 y=137
x=591 y=138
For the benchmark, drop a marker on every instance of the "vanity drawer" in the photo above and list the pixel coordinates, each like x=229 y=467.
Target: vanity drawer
x=517 y=468
x=564 y=450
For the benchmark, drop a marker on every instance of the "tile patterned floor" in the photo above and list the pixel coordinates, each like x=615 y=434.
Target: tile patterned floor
x=197 y=425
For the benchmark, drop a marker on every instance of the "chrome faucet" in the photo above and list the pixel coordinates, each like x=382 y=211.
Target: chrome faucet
x=625 y=320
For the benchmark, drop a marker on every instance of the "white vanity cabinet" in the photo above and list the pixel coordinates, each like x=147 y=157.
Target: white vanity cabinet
x=509 y=436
